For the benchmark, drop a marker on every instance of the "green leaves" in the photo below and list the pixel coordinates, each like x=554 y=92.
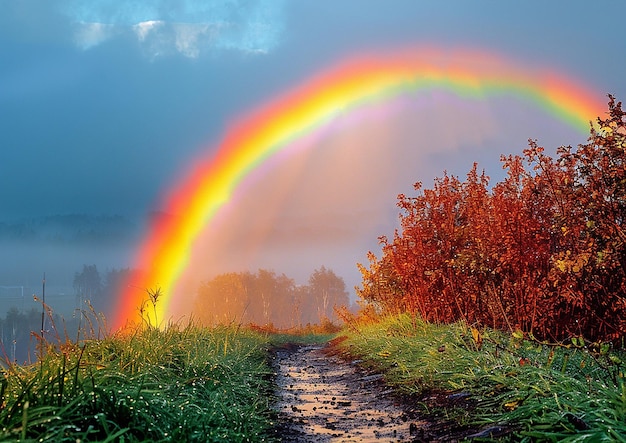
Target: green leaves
x=578 y=342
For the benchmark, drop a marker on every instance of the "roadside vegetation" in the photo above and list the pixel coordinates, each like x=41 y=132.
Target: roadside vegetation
x=502 y=310
x=486 y=384
x=169 y=384
x=143 y=384
x=543 y=251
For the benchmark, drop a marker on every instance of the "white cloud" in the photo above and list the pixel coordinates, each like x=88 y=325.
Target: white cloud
x=88 y=35
x=187 y=27
x=143 y=29
x=189 y=37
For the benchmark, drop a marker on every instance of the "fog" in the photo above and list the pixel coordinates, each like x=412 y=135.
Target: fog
x=327 y=199
x=105 y=105
x=58 y=247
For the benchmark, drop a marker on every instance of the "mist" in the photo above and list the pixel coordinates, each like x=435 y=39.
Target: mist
x=328 y=197
x=106 y=105
x=58 y=247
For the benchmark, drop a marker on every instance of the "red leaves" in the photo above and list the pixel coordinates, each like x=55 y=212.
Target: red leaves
x=544 y=250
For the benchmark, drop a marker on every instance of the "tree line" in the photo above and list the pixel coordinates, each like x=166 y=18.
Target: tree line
x=542 y=252
x=20 y=330
x=263 y=298
x=99 y=289
x=269 y=299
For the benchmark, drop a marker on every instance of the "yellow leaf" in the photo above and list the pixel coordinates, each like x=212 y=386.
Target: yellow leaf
x=478 y=339
x=509 y=406
x=560 y=265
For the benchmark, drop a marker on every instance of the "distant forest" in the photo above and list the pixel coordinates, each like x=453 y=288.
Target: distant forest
x=53 y=245
x=21 y=329
x=264 y=298
x=268 y=299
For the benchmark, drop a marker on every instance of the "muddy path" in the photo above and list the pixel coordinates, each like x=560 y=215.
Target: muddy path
x=322 y=398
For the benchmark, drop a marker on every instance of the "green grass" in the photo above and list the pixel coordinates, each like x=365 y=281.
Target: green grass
x=282 y=339
x=538 y=392
x=176 y=384
x=215 y=384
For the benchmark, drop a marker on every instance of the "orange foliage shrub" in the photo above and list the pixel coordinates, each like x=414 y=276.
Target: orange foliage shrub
x=543 y=251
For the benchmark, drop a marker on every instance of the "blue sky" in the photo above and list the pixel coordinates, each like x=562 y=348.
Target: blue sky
x=104 y=103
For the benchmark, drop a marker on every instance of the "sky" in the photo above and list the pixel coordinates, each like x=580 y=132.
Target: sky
x=105 y=105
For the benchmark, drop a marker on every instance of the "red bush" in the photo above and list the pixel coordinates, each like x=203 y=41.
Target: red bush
x=543 y=251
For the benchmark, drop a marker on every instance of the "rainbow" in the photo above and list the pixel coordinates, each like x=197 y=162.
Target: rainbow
x=210 y=182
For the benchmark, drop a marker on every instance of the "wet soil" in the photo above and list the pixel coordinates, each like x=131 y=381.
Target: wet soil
x=323 y=398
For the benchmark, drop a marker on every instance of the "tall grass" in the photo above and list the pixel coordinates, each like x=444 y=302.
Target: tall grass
x=536 y=392
x=146 y=384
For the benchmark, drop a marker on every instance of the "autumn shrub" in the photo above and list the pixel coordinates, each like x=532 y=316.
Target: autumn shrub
x=543 y=251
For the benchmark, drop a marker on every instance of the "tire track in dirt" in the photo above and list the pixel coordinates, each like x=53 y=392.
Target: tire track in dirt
x=322 y=398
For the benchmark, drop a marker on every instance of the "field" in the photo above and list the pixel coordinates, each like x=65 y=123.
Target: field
x=200 y=384
x=177 y=384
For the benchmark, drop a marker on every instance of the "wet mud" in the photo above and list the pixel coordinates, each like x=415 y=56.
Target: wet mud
x=322 y=398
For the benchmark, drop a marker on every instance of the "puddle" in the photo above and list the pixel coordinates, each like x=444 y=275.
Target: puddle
x=324 y=399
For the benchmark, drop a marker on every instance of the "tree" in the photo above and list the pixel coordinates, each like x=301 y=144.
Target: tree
x=88 y=283
x=381 y=287
x=223 y=299
x=269 y=299
x=327 y=290
x=113 y=281
x=264 y=298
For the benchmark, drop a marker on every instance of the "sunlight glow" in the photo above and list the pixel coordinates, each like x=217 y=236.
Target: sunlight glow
x=209 y=184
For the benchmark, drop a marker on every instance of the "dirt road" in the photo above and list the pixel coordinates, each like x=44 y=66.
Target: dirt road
x=325 y=399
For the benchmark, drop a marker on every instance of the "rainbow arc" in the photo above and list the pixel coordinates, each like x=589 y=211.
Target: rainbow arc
x=195 y=200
